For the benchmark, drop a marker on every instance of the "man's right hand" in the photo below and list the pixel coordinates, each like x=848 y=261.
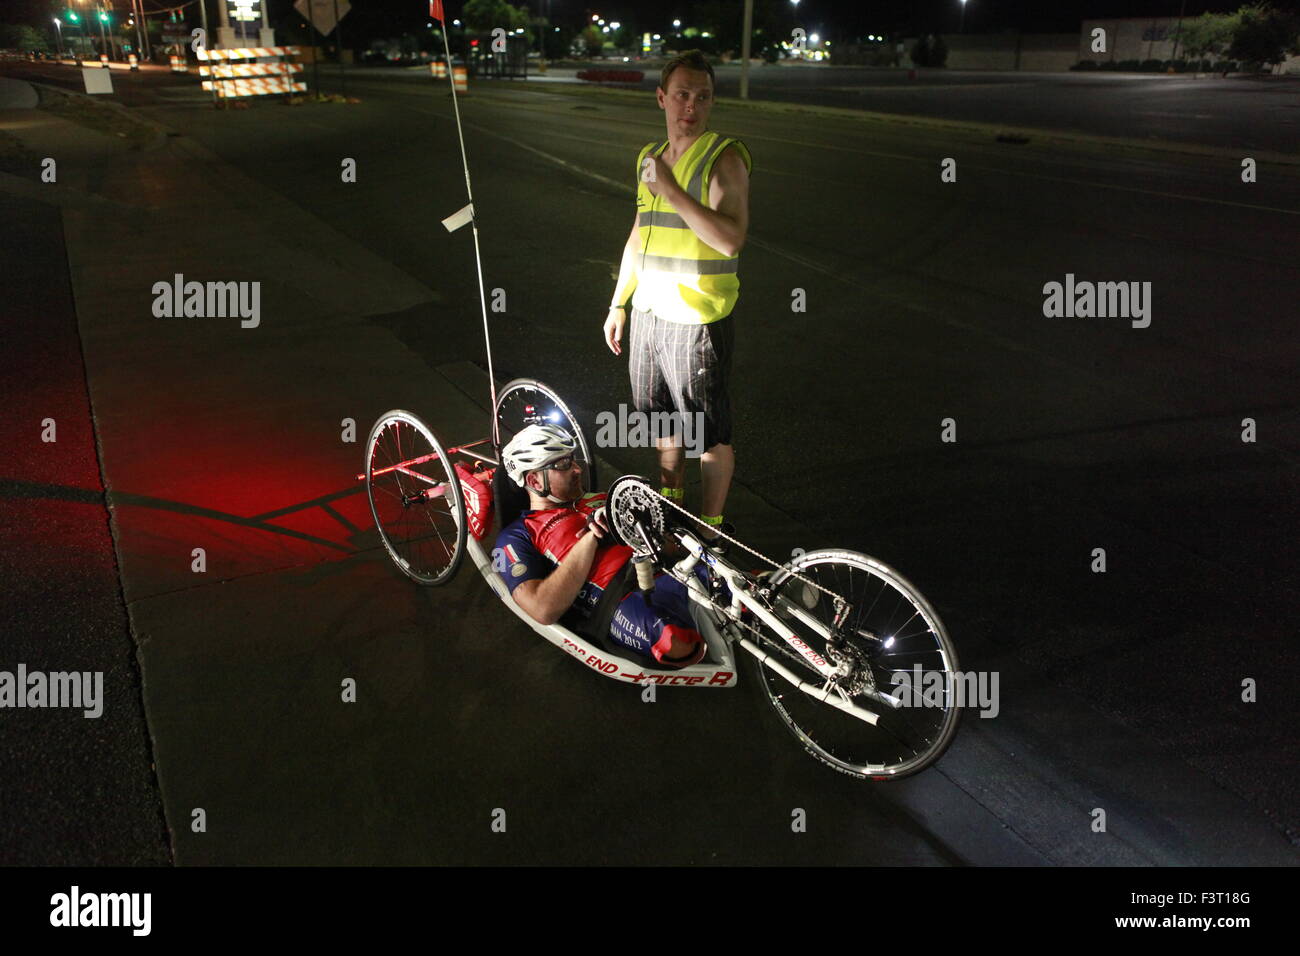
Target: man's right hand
x=614 y=322
x=598 y=523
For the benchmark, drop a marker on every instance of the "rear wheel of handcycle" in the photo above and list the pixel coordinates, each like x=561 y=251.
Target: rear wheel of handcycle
x=526 y=401
x=415 y=498
x=905 y=664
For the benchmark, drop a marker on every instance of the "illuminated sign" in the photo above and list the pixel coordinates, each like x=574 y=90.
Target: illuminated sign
x=247 y=11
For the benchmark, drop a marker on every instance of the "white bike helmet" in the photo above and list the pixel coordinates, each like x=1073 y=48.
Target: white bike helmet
x=536 y=446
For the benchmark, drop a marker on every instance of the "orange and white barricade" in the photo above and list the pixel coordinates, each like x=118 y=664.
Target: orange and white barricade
x=178 y=64
x=460 y=78
x=229 y=71
x=254 y=87
x=232 y=80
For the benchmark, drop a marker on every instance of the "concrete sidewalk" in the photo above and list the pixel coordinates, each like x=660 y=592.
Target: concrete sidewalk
x=76 y=791
x=255 y=587
x=17 y=94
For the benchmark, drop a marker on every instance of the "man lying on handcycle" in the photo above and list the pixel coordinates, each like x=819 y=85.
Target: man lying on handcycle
x=559 y=554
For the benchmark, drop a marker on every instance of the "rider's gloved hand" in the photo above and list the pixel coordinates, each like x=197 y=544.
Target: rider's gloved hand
x=598 y=523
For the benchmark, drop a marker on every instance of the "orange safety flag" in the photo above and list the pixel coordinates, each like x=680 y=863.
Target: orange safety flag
x=435 y=10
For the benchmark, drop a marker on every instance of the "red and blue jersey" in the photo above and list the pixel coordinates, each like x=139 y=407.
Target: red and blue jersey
x=537 y=541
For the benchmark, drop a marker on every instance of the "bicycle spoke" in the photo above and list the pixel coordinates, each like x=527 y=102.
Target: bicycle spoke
x=904 y=738
x=411 y=525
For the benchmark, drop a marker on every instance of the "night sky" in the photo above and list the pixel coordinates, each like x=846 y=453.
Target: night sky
x=851 y=17
x=831 y=18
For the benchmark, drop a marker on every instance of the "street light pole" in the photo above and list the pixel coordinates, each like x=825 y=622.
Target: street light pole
x=963 y=17
x=139 y=42
x=1182 y=8
x=59 y=27
x=103 y=40
x=795 y=4
x=338 y=44
x=744 y=49
x=541 y=38
x=223 y=22
x=203 y=15
x=76 y=47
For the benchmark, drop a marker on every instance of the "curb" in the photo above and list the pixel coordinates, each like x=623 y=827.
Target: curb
x=160 y=132
x=967 y=126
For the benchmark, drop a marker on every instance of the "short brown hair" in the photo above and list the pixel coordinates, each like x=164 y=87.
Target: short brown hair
x=692 y=60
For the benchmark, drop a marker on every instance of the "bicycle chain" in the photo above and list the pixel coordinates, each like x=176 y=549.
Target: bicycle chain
x=745 y=547
x=764 y=639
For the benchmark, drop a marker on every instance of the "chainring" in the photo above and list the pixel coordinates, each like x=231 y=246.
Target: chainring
x=632 y=499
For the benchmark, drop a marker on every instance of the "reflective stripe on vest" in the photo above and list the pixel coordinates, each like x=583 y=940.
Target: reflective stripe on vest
x=704 y=267
x=679 y=276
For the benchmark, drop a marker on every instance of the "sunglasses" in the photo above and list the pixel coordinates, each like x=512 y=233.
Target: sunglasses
x=563 y=464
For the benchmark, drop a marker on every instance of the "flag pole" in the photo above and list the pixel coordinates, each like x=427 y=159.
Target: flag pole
x=469 y=191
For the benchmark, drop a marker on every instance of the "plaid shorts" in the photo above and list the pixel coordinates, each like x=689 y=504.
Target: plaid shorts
x=676 y=367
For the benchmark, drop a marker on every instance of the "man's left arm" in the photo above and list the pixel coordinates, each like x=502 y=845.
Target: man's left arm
x=725 y=226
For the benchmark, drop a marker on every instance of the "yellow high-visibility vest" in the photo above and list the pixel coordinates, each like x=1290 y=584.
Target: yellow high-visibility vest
x=680 y=277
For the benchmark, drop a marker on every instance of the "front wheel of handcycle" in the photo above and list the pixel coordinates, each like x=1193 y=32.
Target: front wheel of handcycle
x=901 y=665
x=415 y=498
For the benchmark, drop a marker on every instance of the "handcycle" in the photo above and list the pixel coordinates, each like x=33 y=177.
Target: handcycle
x=839 y=641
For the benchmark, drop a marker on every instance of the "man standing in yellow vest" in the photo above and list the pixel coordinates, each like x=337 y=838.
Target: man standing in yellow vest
x=681 y=261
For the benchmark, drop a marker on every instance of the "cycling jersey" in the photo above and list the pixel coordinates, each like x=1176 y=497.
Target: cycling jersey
x=537 y=541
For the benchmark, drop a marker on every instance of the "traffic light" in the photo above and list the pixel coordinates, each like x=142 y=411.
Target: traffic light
x=72 y=15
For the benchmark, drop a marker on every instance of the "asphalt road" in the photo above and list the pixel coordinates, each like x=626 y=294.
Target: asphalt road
x=1238 y=112
x=924 y=303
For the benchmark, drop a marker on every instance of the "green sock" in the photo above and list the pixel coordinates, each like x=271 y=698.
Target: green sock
x=674 y=494
x=714 y=520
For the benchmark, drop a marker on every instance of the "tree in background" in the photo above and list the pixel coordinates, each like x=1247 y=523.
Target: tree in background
x=1263 y=35
x=1206 y=36
x=622 y=38
x=594 y=40
x=930 y=50
x=483 y=16
x=23 y=38
x=939 y=52
x=558 y=42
